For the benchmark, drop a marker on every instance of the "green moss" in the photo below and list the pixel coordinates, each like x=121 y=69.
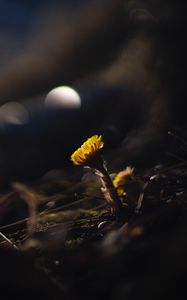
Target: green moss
x=73 y=243
x=69 y=215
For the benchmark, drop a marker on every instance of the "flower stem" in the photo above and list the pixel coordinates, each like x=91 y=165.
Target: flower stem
x=109 y=191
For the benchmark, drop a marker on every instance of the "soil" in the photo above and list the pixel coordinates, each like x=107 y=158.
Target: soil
x=73 y=248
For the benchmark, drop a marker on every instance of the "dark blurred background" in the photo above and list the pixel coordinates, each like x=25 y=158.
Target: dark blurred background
x=125 y=59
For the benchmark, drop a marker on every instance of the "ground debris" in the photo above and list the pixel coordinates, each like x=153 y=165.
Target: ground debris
x=79 y=248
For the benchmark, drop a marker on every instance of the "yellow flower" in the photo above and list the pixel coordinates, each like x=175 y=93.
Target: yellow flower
x=89 y=155
x=88 y=150
x=121 y=178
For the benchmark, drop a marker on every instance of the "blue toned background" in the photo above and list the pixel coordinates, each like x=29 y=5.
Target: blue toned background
x=127 y=61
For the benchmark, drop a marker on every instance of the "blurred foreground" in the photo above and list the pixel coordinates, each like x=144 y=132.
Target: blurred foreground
x=72 y=248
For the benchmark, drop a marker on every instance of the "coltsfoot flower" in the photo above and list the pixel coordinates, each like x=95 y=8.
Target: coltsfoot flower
x=121 y=179
x=88 y=150
x=88 y=155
